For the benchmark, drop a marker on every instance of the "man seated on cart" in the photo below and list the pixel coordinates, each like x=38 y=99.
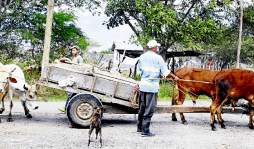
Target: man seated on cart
x=76 y=59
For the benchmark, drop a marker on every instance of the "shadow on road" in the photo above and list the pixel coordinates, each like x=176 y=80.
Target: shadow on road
x=57 y=119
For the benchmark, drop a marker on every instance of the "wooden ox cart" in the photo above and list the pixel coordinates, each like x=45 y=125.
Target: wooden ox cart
x=94 y=88
x=101 y=88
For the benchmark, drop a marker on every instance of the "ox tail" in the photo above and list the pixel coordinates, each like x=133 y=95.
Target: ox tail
x=223 y=89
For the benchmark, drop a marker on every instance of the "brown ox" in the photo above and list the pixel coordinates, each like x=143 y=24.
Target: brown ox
x=195 y=82
x=232 y=84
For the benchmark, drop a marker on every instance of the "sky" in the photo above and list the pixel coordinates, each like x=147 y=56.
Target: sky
x=97 y=32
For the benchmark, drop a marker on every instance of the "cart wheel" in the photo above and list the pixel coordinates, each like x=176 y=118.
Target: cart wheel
x=81 y=108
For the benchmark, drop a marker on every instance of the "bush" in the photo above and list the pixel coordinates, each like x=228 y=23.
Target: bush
x=51 y=94
x=166 y=90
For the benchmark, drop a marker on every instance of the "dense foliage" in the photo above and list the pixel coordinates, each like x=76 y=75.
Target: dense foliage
x=210 y=25
x=22 y=26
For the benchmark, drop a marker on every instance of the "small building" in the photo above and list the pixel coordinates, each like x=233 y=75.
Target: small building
x=123 y=53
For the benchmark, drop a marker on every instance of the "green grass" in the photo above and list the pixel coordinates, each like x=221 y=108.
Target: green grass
x=51 y=94
x=53 y=98
x=166 y=92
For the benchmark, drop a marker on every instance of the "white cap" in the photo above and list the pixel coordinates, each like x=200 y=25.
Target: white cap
x=153 y=43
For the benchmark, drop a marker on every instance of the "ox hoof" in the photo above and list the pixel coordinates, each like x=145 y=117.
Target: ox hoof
x=1 y=110
x=251 y=127
x=29 y=116
x=174 y=118
x=9 y=119
x=184 y=122
x=213 y=127
x=223 y=126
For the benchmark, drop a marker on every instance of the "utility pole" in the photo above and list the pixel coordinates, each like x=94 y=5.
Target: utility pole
x=47 y=39
x=240 y=35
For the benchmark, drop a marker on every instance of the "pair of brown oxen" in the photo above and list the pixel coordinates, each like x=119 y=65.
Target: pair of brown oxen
x=222 y=86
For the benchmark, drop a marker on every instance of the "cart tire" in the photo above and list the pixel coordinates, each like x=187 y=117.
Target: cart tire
x=81 y=108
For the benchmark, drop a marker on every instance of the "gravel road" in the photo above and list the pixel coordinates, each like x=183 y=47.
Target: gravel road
x=50 y=129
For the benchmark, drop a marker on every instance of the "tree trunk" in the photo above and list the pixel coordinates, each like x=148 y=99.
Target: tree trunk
x=33 y=51
x=240 y=35
x=163 y=52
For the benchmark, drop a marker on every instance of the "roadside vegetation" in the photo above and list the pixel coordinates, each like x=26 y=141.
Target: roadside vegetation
x=205 y=25
x=167 y=90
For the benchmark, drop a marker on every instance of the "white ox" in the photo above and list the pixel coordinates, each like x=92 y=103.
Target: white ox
x=26 y=93
x=5 y=80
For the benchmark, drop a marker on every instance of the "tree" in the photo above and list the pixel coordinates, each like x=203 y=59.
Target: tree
x=240 y=35
x=248 y=19
x=64 y=35
x=226 y=51
x=24 y=20
x=191 y=23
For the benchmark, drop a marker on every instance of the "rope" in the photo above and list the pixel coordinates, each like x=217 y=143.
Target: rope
x=10 y=75
x=176 y=78
x=183 y=80
x=196 y=81
x=186 y=90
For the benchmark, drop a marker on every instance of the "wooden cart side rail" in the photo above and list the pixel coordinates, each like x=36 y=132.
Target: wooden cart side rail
x=103 y=98
x=94 y=83
x=123 y=80
x=91 y=90
x=97 y=73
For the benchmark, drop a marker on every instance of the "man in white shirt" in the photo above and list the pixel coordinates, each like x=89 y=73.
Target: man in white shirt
x=151 y=67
